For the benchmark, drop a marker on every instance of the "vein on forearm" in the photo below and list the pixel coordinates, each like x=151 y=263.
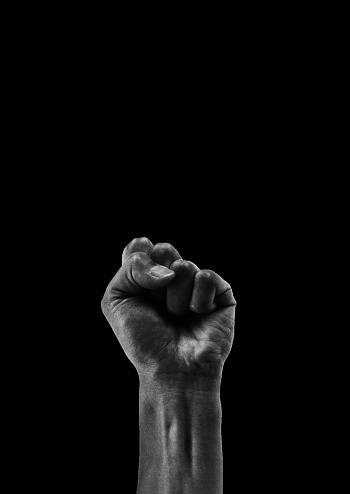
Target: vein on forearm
x=176 y=431
x=180 y=438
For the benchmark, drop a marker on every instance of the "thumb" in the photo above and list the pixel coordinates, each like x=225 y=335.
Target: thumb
x=139 y=273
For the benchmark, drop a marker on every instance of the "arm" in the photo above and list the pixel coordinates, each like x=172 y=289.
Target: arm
x=175 y=323
x=180 y=441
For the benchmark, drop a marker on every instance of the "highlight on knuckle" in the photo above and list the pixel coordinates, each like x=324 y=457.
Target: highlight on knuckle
x=186 y=264
x=139 y=241
x=206 y=275
x=163 y=247
x=136 y=257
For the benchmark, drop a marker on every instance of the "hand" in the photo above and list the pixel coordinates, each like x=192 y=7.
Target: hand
x=173 y=320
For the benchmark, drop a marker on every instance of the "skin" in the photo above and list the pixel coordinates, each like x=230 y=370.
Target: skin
x=175 y=323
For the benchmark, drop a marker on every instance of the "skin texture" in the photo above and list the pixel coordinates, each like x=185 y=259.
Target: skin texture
x=175 y=323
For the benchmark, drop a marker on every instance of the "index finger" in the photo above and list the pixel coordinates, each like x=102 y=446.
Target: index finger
x=139 y=244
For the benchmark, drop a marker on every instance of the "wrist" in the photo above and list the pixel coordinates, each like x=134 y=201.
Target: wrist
x=181 y=383
x=180 y=437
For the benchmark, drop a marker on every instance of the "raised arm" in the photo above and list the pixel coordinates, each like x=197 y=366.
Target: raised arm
x=175 y=323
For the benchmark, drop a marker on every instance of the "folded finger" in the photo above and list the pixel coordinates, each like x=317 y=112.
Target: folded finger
x=209 y=292
x=140 y=244
x=138 y=273
x=164 y=254
x=179 y=292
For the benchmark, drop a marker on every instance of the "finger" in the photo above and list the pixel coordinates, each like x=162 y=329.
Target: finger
x=164 y=254
x=209 y=292
x=140 y=244
x=179 y=292
x=138 y=273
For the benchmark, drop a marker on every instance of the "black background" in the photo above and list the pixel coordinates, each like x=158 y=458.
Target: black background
x=217 y=180
x=214 y=199
x=220 y=209
x=211 y=221
x=215 y=145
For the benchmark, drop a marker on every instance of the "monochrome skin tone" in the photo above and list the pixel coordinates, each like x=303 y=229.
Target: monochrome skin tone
x=175 y=323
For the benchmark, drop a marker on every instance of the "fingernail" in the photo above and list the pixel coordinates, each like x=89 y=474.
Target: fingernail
x=160 y=271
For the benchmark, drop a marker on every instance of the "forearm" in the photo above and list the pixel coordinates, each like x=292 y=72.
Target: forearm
x=180 y=441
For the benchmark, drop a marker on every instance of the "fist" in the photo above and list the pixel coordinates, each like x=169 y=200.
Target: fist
x=173 y=320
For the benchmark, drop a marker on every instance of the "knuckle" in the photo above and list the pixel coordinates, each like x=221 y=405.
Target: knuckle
x=163 y=247
x=136 y=257
x=177 y=265
x=190 y=267
x=186 y=264
x=206 y=275
x=138 y=244
x=139 y=241
x=164 y=253
x=184 y=267
x=143 y=240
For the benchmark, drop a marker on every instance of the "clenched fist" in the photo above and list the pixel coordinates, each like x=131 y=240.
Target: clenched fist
x=174 y=321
